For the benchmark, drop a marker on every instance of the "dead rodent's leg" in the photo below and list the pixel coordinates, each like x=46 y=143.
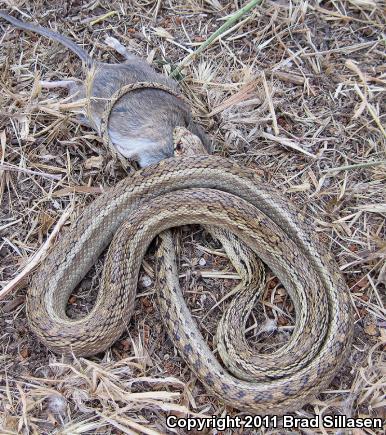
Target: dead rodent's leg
x=118 y=47
x=75 y=90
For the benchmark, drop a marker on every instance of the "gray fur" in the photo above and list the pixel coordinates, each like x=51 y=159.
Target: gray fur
x=142 y=121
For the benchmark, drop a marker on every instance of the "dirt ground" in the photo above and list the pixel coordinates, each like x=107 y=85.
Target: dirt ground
x=295 y=91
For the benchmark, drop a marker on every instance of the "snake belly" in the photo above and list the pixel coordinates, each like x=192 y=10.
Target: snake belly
x=205 y=190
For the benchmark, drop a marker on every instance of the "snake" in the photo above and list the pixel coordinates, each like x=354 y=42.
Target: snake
x=258 y=227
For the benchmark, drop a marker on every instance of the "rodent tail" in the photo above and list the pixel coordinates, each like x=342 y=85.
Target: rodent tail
x=82 y=54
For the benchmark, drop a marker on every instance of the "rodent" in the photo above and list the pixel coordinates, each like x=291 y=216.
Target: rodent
x=142 y=122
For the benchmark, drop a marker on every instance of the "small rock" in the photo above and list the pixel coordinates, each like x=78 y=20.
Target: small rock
x=146 y=281
x=94 y=162
x=371 y=329
x=202 y=262
x=57 y=404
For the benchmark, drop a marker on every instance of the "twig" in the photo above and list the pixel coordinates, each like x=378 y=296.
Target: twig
x=102 y=17
x=5 y=167
x=244 y=93
x=288 y=143
x=9 y=224
x=38 y=257
x=370 y=109
x=356 y=166
x=270 y=105
x=353 y=67
x=290 y=78
x=156 y=10
x=347 y=49
x=228 y=23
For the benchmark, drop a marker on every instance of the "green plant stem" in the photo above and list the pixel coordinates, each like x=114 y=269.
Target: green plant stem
x=228 y=23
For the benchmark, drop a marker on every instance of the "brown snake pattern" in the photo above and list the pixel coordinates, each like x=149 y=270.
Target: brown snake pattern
x=212 y=191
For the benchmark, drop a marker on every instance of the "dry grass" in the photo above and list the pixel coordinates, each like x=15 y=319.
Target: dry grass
x=295 y=91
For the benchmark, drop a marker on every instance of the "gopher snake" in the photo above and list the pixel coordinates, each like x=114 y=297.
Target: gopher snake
x=212 y=191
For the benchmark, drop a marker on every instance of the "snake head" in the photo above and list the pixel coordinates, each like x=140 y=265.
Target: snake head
x=185 y=143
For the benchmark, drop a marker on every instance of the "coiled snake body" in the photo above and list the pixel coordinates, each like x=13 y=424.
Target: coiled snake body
x=207 y=190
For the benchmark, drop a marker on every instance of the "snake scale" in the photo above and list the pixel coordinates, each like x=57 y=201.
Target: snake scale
x=212 y=191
